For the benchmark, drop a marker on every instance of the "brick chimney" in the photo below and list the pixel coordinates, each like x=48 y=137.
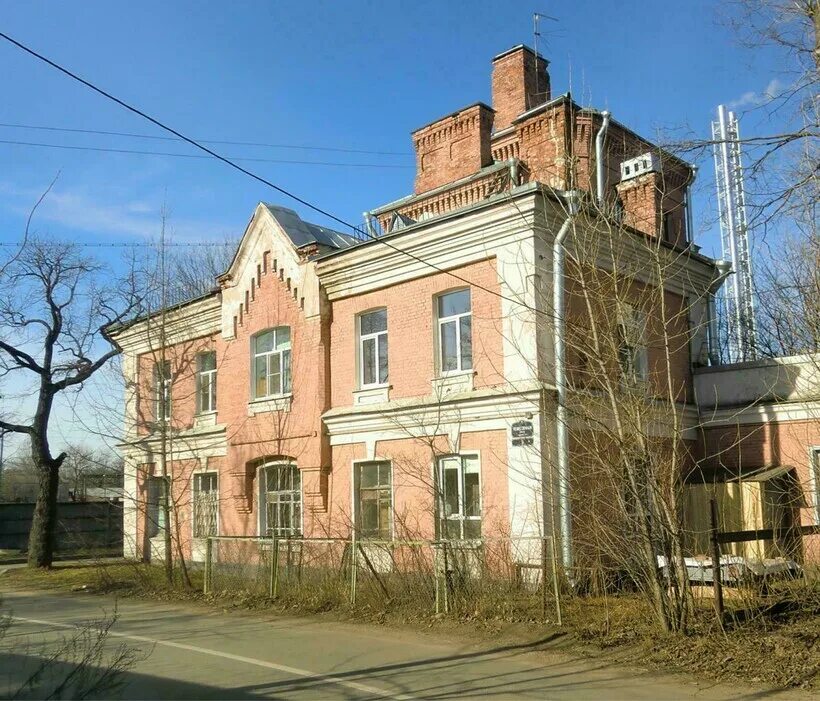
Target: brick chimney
x=520 y=82
x=453 y=147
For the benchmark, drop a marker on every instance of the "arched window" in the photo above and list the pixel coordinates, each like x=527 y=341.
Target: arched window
x=280 y=500
x=270 y=351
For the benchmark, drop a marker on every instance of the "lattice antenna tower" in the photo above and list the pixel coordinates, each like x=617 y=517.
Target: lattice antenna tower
x=738 y=294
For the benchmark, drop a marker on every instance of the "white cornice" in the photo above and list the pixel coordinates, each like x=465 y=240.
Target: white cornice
x=477 y=233
x=200 y=318
x=476 y=410
x=198 y=442
x=763 y=413
x=443 y=243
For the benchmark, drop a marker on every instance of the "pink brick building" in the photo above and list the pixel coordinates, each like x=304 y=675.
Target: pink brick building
x=401 y=384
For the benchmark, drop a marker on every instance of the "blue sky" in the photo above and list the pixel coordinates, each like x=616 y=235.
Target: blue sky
x=339 y=75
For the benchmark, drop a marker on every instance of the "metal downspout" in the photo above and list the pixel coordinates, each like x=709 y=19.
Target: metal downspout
x=689 y=210
x=599 y=158
x=724 y=268
x=562 y=434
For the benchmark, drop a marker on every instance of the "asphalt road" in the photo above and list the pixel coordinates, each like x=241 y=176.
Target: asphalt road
x=191 y=652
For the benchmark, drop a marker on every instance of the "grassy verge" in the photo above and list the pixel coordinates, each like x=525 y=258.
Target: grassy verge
x=774 y=642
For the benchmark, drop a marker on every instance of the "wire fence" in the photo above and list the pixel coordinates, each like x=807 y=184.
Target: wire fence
x=509 y=578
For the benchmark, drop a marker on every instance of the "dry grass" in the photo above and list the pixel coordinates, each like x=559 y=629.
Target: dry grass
x=775 y=642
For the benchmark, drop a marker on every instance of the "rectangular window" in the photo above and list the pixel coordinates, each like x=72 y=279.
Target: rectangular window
x=206 y=382
x=815 y=478
x=460 y=497
x=455 y=335
x=155 y=511
x=271 y=362
x=374 y=492
x=280 y=514
x=373 y=347
x=632 y=353
x=162 y=391
x=206 y=504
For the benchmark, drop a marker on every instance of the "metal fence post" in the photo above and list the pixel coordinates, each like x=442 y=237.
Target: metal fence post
x=437 y=577
x=446 y=580
x=555 y=580
x=273 y=591
x=544 y=579
x=717 y=580
x=353 y=570
x=209 y=553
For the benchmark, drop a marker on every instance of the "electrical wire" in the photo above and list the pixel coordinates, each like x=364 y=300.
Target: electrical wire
x=254 y=176
x=196 y=155
x=153 y=137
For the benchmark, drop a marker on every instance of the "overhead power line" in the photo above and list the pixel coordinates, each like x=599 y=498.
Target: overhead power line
x=101 y=149
x=154 y=137
x=135 y=244
x=256 y=177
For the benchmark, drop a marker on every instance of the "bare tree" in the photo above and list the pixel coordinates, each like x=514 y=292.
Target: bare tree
x=191 y=271
x=56 y=305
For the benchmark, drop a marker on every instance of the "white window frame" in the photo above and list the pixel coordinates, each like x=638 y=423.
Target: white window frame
x=633 y=355
x=454 y=318
x=460 y=517
x=209 y=377
x=155 y=527
x=196 y=480
x=295 y=530
x=284 y=388
x=378 y=337
x=162 y=391
x=357 y=472
x=814 y=480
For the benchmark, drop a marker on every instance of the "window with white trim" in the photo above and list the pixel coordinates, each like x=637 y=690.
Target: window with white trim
x=373 y=348
x=162 y=391
x=206 y=382
x=155 y=509
x=205 y=504
x=633 y=360
x=280 y=499
x=455 y=335
x=271 y=362
x=460 y=497
x=374 y=495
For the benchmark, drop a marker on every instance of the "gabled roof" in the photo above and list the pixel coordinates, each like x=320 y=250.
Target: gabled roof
x=302 y=233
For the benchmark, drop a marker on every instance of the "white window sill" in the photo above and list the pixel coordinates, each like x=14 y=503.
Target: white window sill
x=205 y=418
x=453 y=383
x=372 y=394
x=280 y=402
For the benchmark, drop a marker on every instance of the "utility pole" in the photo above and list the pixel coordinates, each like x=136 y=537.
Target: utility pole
x=2 y=444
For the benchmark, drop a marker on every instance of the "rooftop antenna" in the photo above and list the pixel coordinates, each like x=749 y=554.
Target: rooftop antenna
x=738 y=299
x=536 y=34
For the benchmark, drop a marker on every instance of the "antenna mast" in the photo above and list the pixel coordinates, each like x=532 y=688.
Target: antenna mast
x=536 y=33
x=738 y=298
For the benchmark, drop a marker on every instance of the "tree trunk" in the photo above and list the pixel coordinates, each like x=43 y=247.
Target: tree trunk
x=44 y=523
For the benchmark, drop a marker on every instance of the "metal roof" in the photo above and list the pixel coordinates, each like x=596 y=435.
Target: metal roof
x=303 y=233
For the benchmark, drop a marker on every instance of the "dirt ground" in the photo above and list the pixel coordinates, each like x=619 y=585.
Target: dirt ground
x=776 y=643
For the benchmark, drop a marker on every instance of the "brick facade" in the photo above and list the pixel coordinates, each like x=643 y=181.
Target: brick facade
x=471 y=164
